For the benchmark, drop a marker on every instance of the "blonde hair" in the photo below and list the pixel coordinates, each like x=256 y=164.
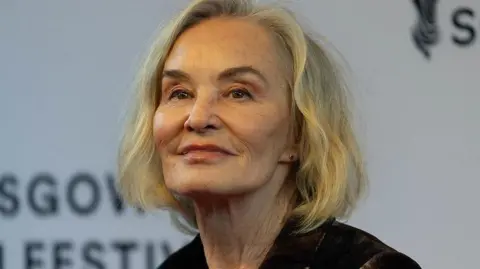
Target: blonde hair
x=330 y=174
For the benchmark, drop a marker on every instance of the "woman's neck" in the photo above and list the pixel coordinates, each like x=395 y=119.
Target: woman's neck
x=237 y=232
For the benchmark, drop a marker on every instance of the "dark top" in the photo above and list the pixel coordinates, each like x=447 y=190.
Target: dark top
x=333 y=245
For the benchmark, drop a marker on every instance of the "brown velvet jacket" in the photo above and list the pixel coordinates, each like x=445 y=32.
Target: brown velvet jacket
x=333 y=245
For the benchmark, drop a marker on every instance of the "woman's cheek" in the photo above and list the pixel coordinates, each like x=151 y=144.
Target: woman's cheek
x=158 y=127
x=158 y=119
x=167 y=125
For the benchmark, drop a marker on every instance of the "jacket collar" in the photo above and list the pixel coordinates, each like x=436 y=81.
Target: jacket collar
x=292 y=250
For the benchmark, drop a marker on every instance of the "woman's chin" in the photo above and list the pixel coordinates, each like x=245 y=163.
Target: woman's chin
x=203 y=188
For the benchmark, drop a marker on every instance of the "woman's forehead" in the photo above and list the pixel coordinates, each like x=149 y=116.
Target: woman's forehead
x=221 y=44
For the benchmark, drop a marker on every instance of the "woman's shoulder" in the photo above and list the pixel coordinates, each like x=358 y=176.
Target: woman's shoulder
x=345 y=246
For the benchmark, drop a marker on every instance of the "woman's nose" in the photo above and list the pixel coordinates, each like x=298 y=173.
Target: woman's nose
x=202 y=117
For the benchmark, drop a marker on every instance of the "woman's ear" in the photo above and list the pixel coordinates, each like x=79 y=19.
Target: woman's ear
x=289 y=156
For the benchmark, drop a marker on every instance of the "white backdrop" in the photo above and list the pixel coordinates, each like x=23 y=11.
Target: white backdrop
x=66 y=71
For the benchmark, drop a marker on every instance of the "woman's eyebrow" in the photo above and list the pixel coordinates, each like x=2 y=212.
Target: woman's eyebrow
x=226 y=74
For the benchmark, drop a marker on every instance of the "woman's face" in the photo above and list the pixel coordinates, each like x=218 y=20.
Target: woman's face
x=222 y=124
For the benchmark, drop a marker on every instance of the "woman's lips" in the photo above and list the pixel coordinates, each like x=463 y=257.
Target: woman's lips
x=205 y=153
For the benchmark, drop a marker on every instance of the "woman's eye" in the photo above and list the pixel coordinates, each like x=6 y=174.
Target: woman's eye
x=240 y=94
x=179 y=94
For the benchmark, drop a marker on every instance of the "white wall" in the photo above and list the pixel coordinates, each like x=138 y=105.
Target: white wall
x=66 y=69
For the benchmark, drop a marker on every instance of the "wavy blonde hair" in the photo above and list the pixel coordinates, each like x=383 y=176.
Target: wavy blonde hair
x=330 y=174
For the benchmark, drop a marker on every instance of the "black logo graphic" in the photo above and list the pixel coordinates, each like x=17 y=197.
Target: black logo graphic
x=425 y=32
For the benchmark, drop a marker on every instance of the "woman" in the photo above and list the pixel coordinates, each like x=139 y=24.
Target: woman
x=242 y=128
